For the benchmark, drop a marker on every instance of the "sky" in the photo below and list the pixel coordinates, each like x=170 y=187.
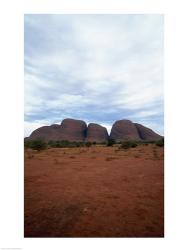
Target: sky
x=97 y=68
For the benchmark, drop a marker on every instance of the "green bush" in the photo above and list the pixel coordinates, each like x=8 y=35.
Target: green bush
x=27 y=144
x=111 y=142
x=38 y=145
x=128 y=144
x=160 y=143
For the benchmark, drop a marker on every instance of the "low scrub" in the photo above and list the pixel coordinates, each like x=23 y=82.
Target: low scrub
x=128 y=144
x=110 y=142
x=88 y=144
x=65 y=144
x=36 y=144
x=160 y=143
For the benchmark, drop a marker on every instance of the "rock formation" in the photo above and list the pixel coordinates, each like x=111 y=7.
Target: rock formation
x=47 y=133
x=77 y=130
x=96 y=133
x=124 y=130
x=73 y=130
x=70 y=129
x=147 y=134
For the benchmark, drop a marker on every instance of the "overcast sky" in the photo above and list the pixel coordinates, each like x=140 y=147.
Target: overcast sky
x=97 y=68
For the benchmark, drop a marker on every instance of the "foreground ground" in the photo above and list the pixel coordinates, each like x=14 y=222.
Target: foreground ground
x=94 y=192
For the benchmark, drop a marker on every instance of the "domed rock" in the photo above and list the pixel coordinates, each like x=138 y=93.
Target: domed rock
x=47 y=133
x=147 y=134
x=73 y=130
x=76 y=130
x=96 y=133
x=124 y=130
x=70 y=130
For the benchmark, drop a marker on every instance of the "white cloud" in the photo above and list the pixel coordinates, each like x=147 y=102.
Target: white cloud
x=107 y=126
x=110 y=63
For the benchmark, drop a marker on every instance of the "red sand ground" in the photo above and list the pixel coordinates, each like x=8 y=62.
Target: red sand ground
x=94 y=192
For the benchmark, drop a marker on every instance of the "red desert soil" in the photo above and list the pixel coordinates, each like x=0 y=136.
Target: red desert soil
x=94 y=192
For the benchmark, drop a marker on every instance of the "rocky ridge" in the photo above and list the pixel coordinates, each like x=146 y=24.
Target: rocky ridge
x=77 y=130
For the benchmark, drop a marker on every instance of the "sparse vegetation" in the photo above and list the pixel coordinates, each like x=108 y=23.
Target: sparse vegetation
x=128 y=144
x=36 y=144
x=61 y=144
x=111 y=142
x=68 y=144
x=88 y=144
x=40 y=144
x=160 y=143
x=102 y=143
x=27 y=144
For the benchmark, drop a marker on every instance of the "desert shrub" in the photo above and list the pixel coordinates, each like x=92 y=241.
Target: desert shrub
x=52 y=144
x=88 y=144
x=160 y=143
x=38 y=145
x=65 y=144
x=78 y=144
x=27 y=144
x=103 y=143
x=150 y=142
x=128 y=144
x=111 y=142
x=59 y=144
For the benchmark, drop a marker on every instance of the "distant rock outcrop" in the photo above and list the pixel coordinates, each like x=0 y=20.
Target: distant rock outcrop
x=73 y=130
x=70 y=130
x=47 y=133
x=77 y=130
x=124 y=130
x=147 y=134
x=96 y=133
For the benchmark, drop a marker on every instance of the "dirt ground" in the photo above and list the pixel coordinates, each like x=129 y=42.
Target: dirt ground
x=94 y=192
